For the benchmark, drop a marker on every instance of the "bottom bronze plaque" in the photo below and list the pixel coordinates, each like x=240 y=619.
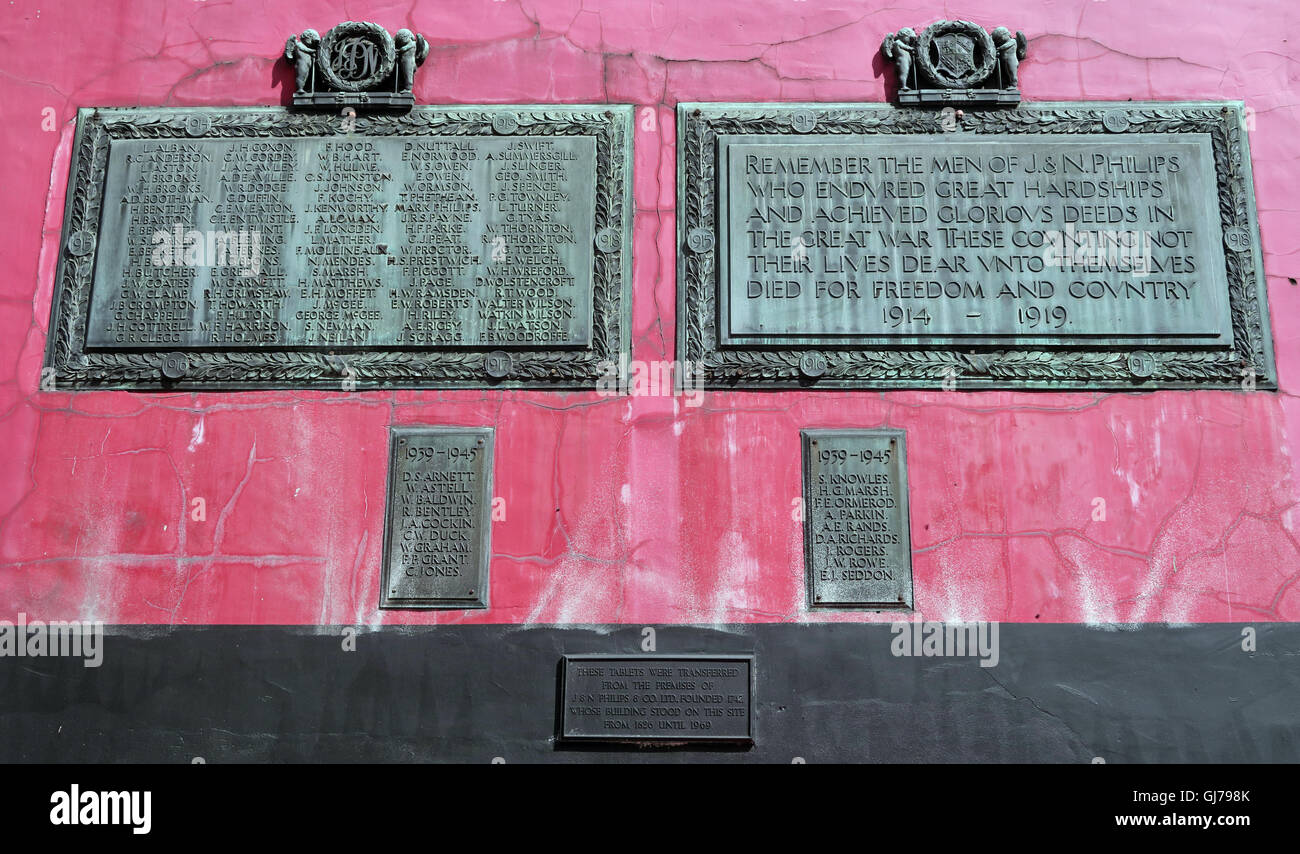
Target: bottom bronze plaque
x=437 y=533
x=857 y=540
x=657 y=698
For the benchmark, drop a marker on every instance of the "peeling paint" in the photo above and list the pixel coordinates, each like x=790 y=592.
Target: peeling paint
x=642 y=510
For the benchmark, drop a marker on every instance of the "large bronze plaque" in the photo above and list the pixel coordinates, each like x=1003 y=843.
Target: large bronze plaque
x=438 y=518
x=857 y=537
x=657 y=698
x=1046 y=246
x=260 y=247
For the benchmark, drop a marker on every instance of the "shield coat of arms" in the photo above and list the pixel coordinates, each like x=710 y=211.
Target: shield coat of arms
x=955 y=54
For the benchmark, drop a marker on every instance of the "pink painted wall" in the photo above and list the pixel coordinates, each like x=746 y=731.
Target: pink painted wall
x=638 y=510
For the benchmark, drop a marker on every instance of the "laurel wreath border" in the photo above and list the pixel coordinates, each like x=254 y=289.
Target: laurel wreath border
x=988 y=53
x=76 y=367
x=700 y=125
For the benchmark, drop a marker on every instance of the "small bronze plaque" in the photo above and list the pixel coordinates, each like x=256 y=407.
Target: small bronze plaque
x=857 y=538
x=864 y=245
x=437 y=533
x=262 y=247
x=664 y=698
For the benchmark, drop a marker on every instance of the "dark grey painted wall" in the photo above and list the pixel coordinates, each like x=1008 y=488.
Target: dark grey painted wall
x=1060 y=693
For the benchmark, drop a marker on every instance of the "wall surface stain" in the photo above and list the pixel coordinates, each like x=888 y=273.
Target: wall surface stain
x=641 y=510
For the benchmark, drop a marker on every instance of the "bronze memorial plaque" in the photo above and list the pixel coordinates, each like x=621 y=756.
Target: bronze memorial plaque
x=1040 y=246
x=657 y=698
x=857 y=537
x=251 y=247
x=437 y=531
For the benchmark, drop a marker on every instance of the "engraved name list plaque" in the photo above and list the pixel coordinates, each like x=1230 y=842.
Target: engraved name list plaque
x=263 y=247
x=437 y=531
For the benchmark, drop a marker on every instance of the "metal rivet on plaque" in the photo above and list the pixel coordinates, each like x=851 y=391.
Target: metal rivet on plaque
x=699 y=240
x=803 y=120
x=812 y=365
x=174 y=366
x=505 y=123
x=1141 y=363
x=1115 y=122
x=607 y=239
x=497 y=364
x=1236 y=238
x=198 y=125
x=81 y=243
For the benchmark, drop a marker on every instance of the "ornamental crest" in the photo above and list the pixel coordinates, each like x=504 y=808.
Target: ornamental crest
x=355 y=64
x=956 y=62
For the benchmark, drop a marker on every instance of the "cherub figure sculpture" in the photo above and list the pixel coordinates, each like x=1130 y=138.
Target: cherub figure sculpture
x=301 y=51
x=411 y=51
x=1010 y=52
x=901 y=48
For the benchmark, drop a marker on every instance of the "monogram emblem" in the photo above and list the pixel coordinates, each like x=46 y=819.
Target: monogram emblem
x=356 y=64
x=356 y=58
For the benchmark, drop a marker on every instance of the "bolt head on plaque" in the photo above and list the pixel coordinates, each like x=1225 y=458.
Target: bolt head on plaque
x=1141 y=364
x=1236 y=238
x=505 y=123
x=356 y=64
x=174 y=366
x=699 y=240
x=956 y=62
x=81 y=243
x=498 y=364
x=607 y=239
x=198 y=125
x=1115 y=122
x=803 y=121
x=812 y=365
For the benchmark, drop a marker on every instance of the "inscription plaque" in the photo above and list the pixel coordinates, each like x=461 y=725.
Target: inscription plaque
x=437 y=532
x=667 y=698
x=1038 y=247
x=260 y=247
x=857 y=537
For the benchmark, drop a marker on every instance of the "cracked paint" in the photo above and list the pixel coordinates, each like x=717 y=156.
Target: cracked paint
x=639 y=510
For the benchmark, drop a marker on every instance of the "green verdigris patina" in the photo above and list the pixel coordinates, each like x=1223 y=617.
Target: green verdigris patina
x=1049 y=246
x=260 y=247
